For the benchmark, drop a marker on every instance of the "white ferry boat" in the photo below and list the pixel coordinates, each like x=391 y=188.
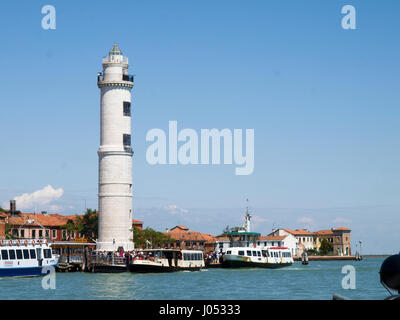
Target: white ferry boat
x=249 y=257
x=25 y=257
x=167 y=260
x=244 y=251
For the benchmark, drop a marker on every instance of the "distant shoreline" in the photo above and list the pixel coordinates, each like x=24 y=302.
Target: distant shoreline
x=331 y=258
x=376 y=255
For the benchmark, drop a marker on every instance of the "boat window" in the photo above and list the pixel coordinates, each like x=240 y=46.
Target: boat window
x=254 y=253
x=241 y=253
x=289 y=254
x=11 y=252
x=19 y=254
x=228 y=252
x=259 y=253
x=26 y=254
x=47 y=253
x=4 y=254
x=248 y=252
x=33 y=253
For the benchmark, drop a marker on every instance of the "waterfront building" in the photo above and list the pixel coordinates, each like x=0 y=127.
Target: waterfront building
x=184 y=238
x=288 y=241
x=3 y=217
x=342 y=241
x=39 y=226
x=305 y=239
x=321 y=235
x=222 y=243
x=138 y=224
x=115 y=154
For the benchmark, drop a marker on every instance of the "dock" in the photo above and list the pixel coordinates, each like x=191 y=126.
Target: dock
x=106 y=264
x=73 y=255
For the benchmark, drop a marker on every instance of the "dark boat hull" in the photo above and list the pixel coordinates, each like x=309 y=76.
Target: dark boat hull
x=157 y=269
x=24 y=271
x=108 y=269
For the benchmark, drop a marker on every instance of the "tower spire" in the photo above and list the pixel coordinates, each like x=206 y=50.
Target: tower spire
x=247 y=217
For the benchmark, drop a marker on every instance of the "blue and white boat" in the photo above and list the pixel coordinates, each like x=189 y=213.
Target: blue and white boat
x=25 y=257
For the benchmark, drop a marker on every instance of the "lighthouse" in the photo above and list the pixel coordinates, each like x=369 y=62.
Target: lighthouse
x=115 y=154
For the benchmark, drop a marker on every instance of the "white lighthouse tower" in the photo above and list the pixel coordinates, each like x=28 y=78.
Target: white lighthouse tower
x=115 y=154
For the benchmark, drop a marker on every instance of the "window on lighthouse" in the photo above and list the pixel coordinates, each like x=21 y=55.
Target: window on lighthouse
x=127 y=109
x=127 y=140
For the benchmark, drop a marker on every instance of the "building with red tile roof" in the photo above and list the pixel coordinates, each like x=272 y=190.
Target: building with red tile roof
x=342 y=241
x=305 y=238
x=138 y=224
x=41 y=226
x=185 y=238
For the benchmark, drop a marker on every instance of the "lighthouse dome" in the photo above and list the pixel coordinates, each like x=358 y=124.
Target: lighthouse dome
x=115 y=50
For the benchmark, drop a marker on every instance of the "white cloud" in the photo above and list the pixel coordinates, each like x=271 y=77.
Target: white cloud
x=306 y=220
x=341 y=220
x=257 y=219
x=174 y=209
x=38 y=198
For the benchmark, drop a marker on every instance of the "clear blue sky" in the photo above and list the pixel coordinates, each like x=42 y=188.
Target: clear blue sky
x=324 y=103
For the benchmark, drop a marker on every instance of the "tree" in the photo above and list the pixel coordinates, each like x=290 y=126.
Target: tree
x=325 y=247
x=7 y=231
x=156 y=238
x=2 y=210
x=86 y=224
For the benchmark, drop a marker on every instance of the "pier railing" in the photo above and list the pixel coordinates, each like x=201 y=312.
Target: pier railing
x=107 y=260
x=71 y=259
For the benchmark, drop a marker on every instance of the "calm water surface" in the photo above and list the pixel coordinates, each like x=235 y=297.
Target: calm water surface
x=318 y=280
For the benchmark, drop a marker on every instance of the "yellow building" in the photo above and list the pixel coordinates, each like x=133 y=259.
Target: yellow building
x=320 y=235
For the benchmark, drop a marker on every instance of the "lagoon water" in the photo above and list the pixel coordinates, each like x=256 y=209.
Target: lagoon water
x=318 y=280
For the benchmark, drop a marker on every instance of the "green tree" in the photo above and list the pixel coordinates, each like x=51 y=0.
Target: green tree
x=86 y=224
x=2 y=210
x=325 y=247
x=8 y=233
x=156 y=238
